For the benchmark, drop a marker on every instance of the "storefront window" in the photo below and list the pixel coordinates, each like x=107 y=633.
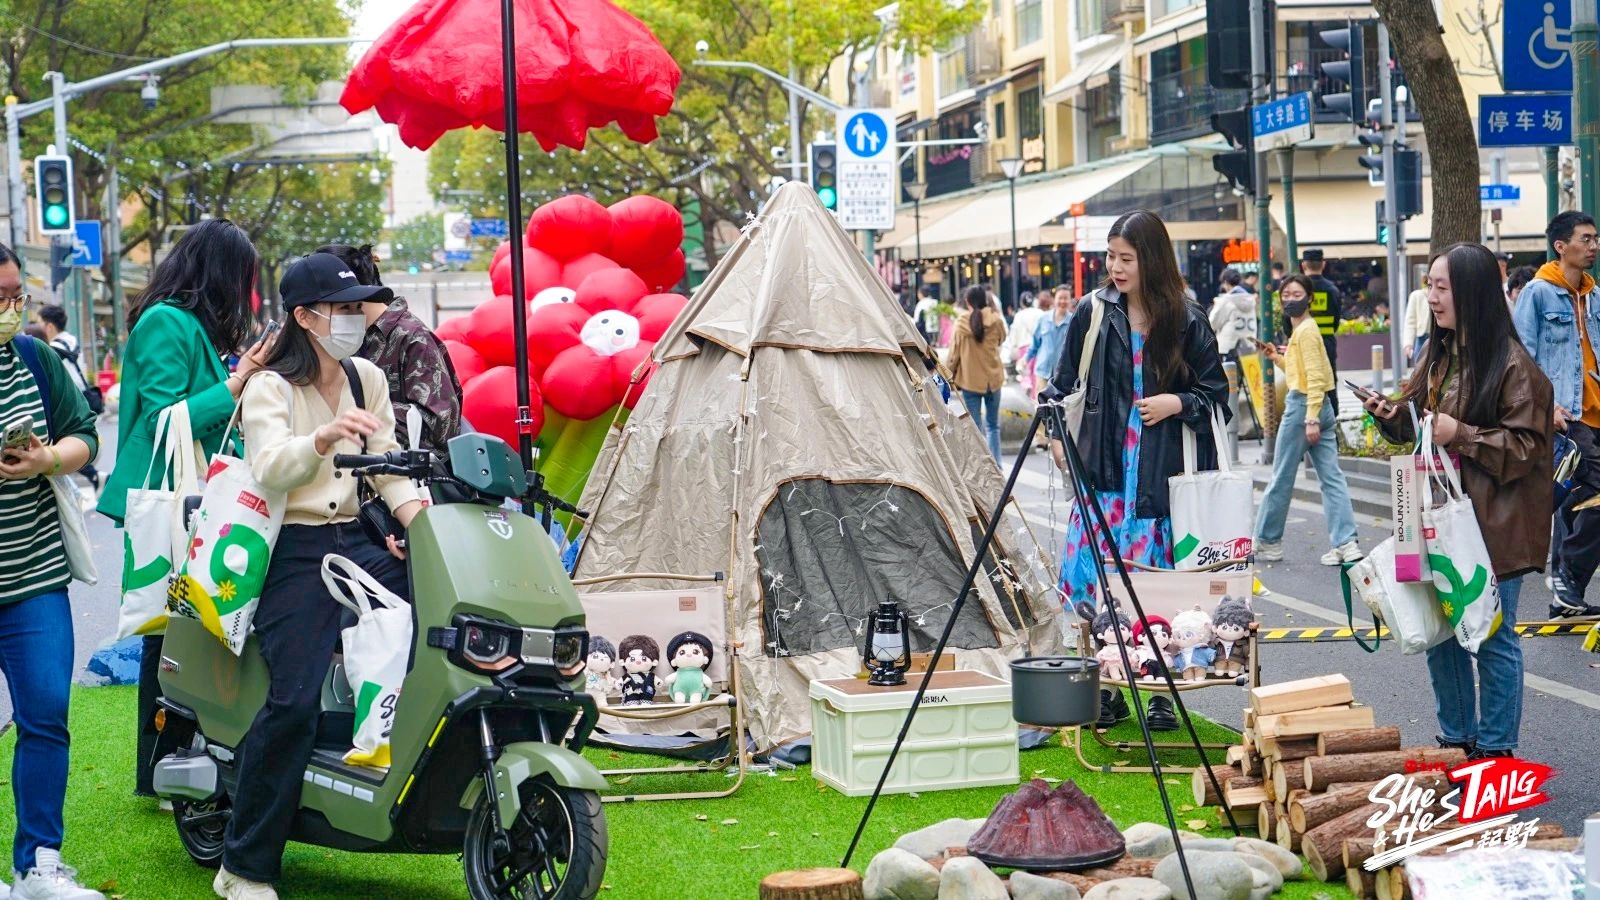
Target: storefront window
x=1030 y=21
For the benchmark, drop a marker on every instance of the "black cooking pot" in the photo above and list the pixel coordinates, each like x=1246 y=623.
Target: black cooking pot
x=1055 y=691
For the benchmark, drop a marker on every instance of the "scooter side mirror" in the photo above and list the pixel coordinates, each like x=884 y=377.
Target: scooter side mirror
x=487 y=464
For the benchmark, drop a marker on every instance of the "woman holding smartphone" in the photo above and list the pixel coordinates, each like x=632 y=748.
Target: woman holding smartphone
x=1307 y=425
x=1495 y=409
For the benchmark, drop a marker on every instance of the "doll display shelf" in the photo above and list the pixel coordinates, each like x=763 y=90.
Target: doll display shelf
x=1165 y=593
x=657 y=616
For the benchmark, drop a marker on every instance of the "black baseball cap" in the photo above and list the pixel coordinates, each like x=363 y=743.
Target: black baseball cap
x=324 y=278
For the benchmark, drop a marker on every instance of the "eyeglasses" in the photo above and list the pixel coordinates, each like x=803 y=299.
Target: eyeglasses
x=19 y=302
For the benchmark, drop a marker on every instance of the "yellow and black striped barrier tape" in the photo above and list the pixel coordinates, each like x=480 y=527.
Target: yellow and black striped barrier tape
x=1332 y=633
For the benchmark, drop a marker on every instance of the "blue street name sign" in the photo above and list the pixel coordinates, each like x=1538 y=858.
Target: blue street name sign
x=88 y=250
x=1524 y=120
x=490 y=228
x=1499 y=194
x=1538 y=45
x=1281 y=123
x=458 y=256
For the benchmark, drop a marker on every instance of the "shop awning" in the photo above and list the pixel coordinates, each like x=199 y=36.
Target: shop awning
x=905 y=223
x=1341 y=217
x=1092 y=71
x=983 y=223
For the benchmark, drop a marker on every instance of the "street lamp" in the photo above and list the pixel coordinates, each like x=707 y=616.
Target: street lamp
x=917 y=190
x=1012 y=167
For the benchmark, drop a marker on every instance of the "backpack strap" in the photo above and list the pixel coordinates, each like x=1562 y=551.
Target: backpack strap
x=28 y=349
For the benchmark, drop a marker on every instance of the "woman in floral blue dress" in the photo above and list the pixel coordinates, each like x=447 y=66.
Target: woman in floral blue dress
x=1153 y=369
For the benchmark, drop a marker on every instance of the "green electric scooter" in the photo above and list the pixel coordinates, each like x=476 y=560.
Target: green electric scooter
x=489 y=719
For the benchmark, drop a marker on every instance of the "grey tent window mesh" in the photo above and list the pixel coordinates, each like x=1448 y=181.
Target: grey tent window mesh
x=830 y=552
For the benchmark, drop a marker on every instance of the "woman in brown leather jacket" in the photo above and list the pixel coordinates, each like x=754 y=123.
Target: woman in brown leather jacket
x=1494 y=408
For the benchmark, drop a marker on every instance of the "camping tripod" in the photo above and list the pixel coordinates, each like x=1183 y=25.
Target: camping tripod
x=1088 y=503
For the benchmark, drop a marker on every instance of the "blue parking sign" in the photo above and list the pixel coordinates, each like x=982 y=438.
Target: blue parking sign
x=1524 y=120
x=1538 y=45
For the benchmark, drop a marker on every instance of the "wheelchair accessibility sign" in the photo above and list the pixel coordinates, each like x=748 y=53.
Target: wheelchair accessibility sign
x=1538 y=45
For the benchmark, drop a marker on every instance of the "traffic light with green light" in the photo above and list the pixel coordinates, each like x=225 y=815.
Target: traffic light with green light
x=52 y=176
x=825 y=174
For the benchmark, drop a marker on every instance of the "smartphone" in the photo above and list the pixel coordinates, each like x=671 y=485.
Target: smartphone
x=17 y=435
x=266 y=334
x=1361 y=393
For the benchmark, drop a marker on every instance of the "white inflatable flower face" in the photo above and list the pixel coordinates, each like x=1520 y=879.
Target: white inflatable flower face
x=551 y=295
x=610 y=332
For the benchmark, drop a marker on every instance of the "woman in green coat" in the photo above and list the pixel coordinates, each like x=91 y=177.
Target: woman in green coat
x=194 y=313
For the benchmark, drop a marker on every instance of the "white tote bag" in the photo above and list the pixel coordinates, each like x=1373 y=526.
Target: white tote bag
x=1074 y=403
x=1213 y=513
x=74 y=530
x=230 y=547
x=375 y=652
x=1463 y=573
x=153 y=532
x=1409 y=609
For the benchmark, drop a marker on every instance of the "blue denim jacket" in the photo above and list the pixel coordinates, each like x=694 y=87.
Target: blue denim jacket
x=1545 y=317
x=1049 y=339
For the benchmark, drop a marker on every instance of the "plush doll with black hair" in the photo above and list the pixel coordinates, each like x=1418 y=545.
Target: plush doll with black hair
x=640 y=653
x=689 y=653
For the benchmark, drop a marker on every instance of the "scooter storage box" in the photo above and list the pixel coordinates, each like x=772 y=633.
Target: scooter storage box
x=963 y=735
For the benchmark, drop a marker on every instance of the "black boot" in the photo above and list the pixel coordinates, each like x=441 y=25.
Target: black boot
x=1160 y=715
x=1468 y=748
x=1113 y=708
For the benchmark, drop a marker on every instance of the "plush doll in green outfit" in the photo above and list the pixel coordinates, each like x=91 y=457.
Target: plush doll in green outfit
x=689 y=653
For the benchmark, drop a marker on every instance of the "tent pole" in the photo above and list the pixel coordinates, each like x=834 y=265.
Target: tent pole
x=519 y=295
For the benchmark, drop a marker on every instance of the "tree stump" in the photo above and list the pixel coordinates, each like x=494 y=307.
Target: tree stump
x=813 y=884
x=1358 y=740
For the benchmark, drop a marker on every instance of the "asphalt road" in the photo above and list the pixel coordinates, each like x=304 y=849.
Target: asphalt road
x=1561 y=697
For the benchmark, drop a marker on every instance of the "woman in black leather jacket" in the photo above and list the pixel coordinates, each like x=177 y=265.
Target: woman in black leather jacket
x=1154 y=369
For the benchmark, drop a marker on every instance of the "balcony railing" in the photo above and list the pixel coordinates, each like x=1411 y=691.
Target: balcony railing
x=1181 y=105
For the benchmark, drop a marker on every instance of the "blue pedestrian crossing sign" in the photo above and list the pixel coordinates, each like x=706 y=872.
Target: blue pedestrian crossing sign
x=868 y=168
x=88 y=250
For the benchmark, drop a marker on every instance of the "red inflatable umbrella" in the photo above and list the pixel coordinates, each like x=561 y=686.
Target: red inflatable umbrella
x=564 y=66
x=578 y=63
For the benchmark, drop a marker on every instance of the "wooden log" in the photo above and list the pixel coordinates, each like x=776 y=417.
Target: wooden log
x=1324 y=770
x=1204 y=794
x=1311 y=810
x=813 y=884
x=1358 y=850
x=1126 y=867
x=1287 y=777
x=1268 y=769
x=1242 y=792
x=1266 y=818
x=1358 y=740
x=1287 y=749
x=1287 y=837
x=1362 y=884
x=1245 y=816
x=1313 y=722
x=1391 y=883
x=1235 y=754
x=1323 y=846
x=1306 y=693
x=1252 y=764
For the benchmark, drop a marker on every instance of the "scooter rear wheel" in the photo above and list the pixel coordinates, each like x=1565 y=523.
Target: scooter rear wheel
x=558 y=847
x=200 y=829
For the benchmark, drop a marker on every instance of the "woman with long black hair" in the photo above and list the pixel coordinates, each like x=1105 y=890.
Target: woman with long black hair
x=194 y=313
x=1495 y=409
x=975 y=365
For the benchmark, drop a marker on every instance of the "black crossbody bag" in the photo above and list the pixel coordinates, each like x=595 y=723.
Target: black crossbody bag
x=377 y=520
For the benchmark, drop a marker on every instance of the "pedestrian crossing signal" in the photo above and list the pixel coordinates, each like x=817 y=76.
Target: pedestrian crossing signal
x=825 y=174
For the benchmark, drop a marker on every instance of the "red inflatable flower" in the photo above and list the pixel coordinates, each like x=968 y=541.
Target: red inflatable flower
x=489 y=402
x=585 y=352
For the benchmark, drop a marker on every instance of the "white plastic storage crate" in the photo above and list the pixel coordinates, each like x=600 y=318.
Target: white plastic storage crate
x=963 y=735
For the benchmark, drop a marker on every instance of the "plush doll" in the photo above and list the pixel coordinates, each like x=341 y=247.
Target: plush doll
x=598 y=679
x=1192 y=635
x=639 y=657
x=1106 y=639
x=1152 y=636
x=689 y=653
x=1231 y=622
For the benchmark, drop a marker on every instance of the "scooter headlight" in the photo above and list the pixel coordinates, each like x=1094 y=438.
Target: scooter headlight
x=570 y=652
x=487 y=647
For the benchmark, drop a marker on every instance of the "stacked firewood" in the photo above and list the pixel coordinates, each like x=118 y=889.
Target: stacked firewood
x=1304 y=774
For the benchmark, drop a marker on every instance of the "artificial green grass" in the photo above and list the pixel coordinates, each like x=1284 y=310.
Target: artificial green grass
x=693 y=850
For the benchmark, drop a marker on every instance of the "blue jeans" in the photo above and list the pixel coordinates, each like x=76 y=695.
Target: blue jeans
x=988 y=424
x=1291 y=446
x=36 y=659
x=1499 y=691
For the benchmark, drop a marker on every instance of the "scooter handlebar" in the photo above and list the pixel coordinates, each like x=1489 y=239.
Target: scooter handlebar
x=362 y=460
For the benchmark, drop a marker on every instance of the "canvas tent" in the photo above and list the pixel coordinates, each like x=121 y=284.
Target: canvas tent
x=793 y=438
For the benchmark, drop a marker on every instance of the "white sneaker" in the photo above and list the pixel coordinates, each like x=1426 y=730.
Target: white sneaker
x=1266 y=552
x=1346 y=553
x=50 y=880
x=231 y=887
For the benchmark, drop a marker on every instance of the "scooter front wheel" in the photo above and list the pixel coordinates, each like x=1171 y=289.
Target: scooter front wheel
x=557 y=851
x=200 y=829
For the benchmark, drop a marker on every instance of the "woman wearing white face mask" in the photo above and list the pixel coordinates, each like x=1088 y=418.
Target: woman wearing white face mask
x=298 y=412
